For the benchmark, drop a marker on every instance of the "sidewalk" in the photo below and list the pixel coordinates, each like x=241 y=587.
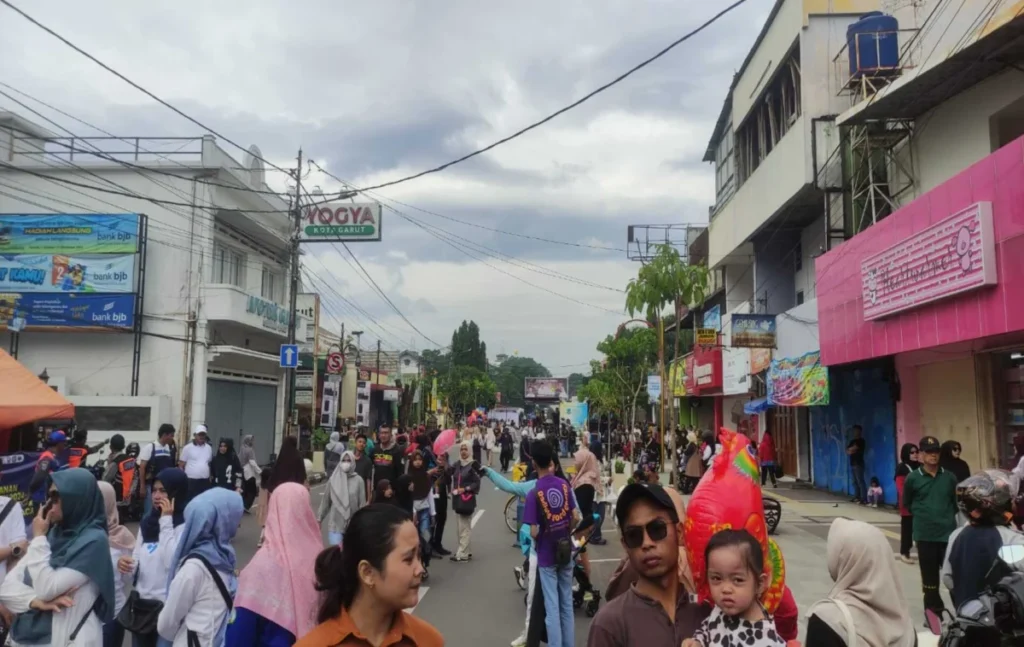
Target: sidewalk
x=815 y=507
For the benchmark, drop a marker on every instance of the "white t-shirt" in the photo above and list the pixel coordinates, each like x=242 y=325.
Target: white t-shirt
x=147 y=452
x=154 y=560
x=121 y=580
x=197 y=460
x=12 y=530
x=193 y=602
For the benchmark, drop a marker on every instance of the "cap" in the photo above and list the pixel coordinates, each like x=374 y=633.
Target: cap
x=200 y=429
x=929 y=444
x=57 y=437
x=650 y=491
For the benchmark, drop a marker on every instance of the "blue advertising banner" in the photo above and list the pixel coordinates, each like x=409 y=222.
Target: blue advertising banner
x=16 y=471
x=18 y=310
x=713 y=318
x=69 y=233
x=79 y=273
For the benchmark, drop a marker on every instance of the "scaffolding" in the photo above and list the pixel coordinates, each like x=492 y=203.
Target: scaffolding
x=643 y=241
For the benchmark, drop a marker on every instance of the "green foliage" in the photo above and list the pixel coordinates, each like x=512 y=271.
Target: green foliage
x=620 y=466
x=576 y=380
x=664 y=281
x=467 y=349
x=509 y=378
x=617 y=384
x=466 y=388
x=319 y=439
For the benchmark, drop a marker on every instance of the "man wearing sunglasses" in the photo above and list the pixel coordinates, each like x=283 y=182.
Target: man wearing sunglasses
x=657 y=609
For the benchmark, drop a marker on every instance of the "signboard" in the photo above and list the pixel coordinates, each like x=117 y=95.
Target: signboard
x=273 y=316
x=303 y=381
x=337 y=222
x=798 y=382
x=689 y=381
x=760 y=360
x=654 y=387
x=289 y=355
x=707 y=369
x=677 y=377
x=16 y=470
x=753 y=331
x=577 y=413
x=735 y=371
x=497 y=397
x=109 y=311
x=953 y=256
x=335 y=363
x=546 y=388
x=390 y=395
x=69 y=234
x=83 y=273
x=713 y=318
x=707 y=337
x=303 y=398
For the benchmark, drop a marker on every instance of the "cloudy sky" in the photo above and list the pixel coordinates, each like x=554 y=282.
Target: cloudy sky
x=377 y=90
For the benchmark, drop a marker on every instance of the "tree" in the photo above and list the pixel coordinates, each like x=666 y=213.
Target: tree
x=576 y=380
x=510 y=377
x=466 y=388
x=467 y=349
x=619 y=383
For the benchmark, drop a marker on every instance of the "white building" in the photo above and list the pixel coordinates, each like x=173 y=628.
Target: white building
x=213 y=283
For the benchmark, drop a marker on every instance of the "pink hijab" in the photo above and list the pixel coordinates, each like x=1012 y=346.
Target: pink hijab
x=278 y=584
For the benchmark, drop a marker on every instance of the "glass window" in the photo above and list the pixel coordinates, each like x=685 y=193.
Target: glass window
x=273 y=285
x=227 y=265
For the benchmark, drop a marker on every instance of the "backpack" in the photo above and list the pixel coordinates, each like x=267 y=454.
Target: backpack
x=563 y=546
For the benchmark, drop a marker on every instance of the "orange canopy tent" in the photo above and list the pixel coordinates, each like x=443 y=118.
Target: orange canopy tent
x=25 y=398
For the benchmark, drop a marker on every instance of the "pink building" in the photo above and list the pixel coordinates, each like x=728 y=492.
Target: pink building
x=939 y=285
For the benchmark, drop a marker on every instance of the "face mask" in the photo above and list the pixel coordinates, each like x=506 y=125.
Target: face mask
x=346 y=466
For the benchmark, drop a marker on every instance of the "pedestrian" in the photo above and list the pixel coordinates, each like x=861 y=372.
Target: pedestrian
x=68 y=595
x=202 y=581
x=465 y=486
x=507 y=446
x=384 y=493
x=48 y=463
x=478 y=445
x=250 y=471
x=332 y=453
x=442 y=485
x=376 y=576
x=586 y=484
x=277 y=598
x=490 y=442
x=345 y=494
x=226 y=468
x=855 y=450
x=387 y=458
x=766 y=456
x=195 y=460
x=656 y=609
x=151 y=560
x=908 y=463
x=949 y=460
x=866 y=606
x=524 y=447
x=153 y=459
x=122 y=545
x=363 y=464
x=930 y=495
x=423 y=510
x=289 y=466
x=605 y=498
x=13 y=543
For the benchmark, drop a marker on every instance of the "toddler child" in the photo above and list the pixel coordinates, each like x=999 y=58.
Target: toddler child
x=874 y=492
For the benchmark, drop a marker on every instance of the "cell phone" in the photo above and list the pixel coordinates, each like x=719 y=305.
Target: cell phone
x=46 y=508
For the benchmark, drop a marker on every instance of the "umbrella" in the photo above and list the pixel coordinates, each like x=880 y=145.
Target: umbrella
x=445 y=441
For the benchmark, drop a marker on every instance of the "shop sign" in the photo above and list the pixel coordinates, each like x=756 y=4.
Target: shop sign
x=707 y=369
x=69 y=233
x=654 y=387
x=707 y=337
x=338 y=222
x=951 y=257
x=760 y=360
x=390 y=395
x=273 y=316
x=677 y=377
x=364 y=375
x=303 y=381
x=102 y=311
x=83 y=273
x=753 y=331
x=689 y=378
x=18 y=469
x=304 y=398
x=713 y=318
x=735 y=371
x=798 y=381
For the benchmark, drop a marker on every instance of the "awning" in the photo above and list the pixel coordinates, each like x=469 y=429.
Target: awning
x=25 y=398
x=759 y=405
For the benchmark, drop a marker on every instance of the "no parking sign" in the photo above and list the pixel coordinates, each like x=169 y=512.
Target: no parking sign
x=335 y=363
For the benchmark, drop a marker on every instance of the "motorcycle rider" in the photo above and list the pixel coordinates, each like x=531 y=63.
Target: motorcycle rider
x=987 y=501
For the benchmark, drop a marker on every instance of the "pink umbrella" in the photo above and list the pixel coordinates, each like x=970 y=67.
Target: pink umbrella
x=445 y=441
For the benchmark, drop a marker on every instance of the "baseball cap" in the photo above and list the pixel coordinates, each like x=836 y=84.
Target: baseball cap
x=929 y=444
x=200 y=429
x=649 y=491
x=57 y=437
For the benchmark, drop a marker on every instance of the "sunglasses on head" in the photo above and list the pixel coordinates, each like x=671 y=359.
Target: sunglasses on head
x=633 y=536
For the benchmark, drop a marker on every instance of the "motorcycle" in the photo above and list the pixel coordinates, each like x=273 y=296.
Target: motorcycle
x=996 y=616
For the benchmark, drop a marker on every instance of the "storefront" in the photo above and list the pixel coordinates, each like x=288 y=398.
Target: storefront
x=935 y=287
x=704 y=380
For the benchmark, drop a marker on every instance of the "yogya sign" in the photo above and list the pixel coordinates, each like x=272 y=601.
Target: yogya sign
x=341 y=222
x=953 y=256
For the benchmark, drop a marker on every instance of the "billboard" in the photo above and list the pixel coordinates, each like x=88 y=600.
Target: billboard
x=69 y=233
x=76 y=273
x=337 y=222
x=546 y=388
x=798 y=381
x=753 y=331
x=108 y=311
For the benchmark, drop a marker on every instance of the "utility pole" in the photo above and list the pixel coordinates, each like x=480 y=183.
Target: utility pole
x=377 y=377
x=296 y=225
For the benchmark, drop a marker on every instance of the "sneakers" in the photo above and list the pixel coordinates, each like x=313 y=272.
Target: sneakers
x=520 y=641
x=906 y=559
x=456 y=558
x=441 y=550
x=520 y=577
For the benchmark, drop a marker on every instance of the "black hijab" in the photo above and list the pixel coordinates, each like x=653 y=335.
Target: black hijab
x=958 y=466
x=289 y=466
x=403 y=496
x=420 y=478
x=906 y=465
x=176 y=485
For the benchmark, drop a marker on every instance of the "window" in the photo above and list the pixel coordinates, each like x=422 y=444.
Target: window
x=724 y=166
x=798 y=256
x=799 y=297
x=272 y=286
x=227 y=265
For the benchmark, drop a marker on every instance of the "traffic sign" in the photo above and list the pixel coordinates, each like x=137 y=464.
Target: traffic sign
x=289 y=355
x=335 y=363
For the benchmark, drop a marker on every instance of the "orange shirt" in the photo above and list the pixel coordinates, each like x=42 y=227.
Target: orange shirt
x=407 y=631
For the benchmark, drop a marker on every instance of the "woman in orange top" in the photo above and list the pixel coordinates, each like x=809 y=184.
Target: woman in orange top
x=367 y=585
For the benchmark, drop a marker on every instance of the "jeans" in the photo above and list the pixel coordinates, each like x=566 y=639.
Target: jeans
x=113 y=634
x=602 y=509
x=556 y=583
x=423 y=524
x=860 y=488
x=145 y=641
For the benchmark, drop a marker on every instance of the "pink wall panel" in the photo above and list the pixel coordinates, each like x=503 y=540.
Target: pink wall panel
x=844 y=334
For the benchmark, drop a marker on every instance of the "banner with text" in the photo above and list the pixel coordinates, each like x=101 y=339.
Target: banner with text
x=16 y=470
x=108 y=311
x=69 y=233
x=798 y=381
x=81 y=273
x=337 y=222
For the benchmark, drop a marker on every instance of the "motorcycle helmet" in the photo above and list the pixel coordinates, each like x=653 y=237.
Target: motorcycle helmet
x=988 y=496
x=132 y=449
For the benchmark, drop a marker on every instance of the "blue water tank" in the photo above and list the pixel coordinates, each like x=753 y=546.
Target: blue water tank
x=874 y=45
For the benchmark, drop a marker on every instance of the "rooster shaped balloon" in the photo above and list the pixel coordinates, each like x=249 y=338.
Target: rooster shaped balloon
x=729 y=497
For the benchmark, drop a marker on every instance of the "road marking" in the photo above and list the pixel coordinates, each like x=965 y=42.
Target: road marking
x=419 y=598
x=476 y=517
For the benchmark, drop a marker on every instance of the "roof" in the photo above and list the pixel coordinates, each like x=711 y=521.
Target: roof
x=24 y=398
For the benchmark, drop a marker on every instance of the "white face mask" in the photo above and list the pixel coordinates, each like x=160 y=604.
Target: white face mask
x=346 y=466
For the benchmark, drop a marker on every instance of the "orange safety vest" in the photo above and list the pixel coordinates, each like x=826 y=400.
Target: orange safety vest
x=126 y=473
x=76 y=455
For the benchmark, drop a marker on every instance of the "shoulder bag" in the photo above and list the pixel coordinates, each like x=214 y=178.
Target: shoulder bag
x=139 y=615
x=463 y=504
x=193 y=637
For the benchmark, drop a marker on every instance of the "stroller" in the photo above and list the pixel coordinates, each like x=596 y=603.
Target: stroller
x=584 y=594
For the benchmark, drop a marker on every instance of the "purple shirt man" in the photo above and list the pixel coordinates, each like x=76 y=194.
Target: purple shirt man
x=550 y=505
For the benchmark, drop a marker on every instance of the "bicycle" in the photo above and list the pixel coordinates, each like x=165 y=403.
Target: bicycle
x=512 y=514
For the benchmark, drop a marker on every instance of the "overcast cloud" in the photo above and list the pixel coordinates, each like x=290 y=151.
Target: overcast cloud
x=377 y=90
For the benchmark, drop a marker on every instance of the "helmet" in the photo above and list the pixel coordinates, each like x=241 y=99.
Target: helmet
x=988 y=496
x=132 y=449
x=57 y=437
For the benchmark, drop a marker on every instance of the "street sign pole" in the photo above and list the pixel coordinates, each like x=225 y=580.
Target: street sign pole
x=296 y=224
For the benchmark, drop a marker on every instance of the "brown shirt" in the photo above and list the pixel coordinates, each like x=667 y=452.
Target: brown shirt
x=633 y=619
x=407 y=631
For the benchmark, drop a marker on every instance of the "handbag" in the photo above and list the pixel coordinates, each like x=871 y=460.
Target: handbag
x=463 y=504
x=139 y=615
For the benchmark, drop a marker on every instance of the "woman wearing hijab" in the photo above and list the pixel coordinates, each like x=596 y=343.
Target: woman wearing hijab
x=346 y=493
x=122 y=544
x=250 y=471
x=908 y=463
x=949 y=460
x=151 y=561
x=867 y=588
x=289 y=466
x=225 y=468
x=333 y=452
x=465 y=486
x=478 y=445
x=68 y=558
x=202 y=580
x=423 y=511
x=277 y=598
x=384 y=493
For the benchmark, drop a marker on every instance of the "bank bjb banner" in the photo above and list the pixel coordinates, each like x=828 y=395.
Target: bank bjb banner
x=28 y=273
x=16 y=471
x=798 y=381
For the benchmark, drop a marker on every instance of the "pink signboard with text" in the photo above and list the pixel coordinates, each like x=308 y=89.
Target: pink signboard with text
x=947 y=267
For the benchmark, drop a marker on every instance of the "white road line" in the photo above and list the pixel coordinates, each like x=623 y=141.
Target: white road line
x=476 y=517
x=419 y=597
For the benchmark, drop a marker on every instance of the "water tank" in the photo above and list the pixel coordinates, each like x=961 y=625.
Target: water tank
x=874 y=45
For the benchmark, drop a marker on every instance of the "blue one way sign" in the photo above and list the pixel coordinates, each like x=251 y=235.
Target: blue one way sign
x=289 y=355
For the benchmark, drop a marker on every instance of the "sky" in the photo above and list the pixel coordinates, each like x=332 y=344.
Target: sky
x=373 y=91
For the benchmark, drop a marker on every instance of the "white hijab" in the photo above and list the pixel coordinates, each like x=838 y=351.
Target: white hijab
x=867 y=583
x=339 y=484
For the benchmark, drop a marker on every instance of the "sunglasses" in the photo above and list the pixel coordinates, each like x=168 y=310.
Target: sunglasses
x=633 y=536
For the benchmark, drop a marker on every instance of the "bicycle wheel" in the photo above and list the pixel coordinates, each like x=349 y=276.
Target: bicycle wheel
x=511 y=516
